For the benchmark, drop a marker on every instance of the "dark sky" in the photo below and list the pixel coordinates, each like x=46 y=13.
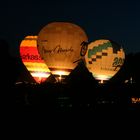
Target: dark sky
x=118 y=20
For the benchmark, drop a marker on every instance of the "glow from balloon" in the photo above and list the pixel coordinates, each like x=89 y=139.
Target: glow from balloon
x=32 y=60
x=60 y=45
x=104 y=59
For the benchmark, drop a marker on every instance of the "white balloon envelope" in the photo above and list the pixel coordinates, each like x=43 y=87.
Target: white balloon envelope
x=60 y=45
x=104 y=58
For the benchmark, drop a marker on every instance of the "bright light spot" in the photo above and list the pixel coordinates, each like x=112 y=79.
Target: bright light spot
x=135 y=100
x=102 y=77
x=40 y=74
x=60 y=72
x=60 y=78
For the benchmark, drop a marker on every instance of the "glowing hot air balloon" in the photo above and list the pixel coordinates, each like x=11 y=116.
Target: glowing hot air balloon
x=104 y=59
x=61 y=45
x=32 y=60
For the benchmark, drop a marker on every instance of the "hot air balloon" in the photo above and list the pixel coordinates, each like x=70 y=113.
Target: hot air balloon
x=61 y=45
x=32 y=60
x=104 y=59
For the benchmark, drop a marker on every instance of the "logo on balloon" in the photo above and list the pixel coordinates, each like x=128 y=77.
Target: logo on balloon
x=118 y=62
x=84 y=48
x=30 y=57
x=58 y=49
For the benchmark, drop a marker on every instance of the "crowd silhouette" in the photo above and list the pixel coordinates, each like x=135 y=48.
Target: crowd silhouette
x=79 y=92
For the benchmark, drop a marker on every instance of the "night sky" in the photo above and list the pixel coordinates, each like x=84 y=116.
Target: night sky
x=117 y=20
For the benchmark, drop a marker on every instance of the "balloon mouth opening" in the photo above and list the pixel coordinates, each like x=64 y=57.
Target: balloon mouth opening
x=102 y=77
x=40 y=76
x=60 y=71
x=60 y=75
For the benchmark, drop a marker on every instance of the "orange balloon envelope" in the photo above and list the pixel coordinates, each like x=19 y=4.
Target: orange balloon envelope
x=32 y=60
x=61 y=44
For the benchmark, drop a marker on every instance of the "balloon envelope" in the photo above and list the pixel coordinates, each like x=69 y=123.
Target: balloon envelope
x=104 y=59
x=32 y=60
x=60 y=44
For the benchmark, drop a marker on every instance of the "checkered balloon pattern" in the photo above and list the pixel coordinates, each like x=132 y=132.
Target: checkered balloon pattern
x=104 y=58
